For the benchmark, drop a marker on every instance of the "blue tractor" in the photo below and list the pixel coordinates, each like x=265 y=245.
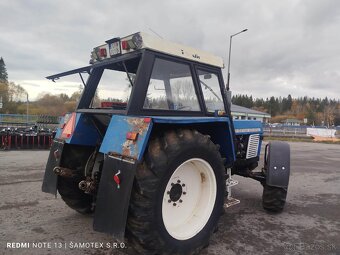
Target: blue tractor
x=151 y=147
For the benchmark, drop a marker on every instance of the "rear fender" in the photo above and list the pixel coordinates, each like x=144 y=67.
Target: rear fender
x=277 y=164
x=85 y=132
x=115 y=141
x=121 y=158
x=218 y=128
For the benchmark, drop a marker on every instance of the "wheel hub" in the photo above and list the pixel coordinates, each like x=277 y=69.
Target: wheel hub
x=176 y=192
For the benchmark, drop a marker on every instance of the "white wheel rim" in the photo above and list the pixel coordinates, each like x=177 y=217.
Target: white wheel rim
x=186 y=216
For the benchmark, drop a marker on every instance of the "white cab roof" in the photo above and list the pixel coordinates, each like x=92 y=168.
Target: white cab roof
x=178 y=50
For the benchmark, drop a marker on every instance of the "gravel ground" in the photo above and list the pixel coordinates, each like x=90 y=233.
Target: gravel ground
x=310 y=223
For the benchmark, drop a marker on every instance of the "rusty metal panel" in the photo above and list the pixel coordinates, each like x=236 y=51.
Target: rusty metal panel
x=116 y=141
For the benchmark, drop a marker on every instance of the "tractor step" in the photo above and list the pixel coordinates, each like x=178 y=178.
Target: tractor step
x=230 y=201
x=231 y=182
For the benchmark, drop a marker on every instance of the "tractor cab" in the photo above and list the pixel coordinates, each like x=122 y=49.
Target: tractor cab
x=141 y=74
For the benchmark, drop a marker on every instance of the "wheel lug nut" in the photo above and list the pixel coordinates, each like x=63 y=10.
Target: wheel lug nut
x=174 y=204
x=172 y=184
x=183 y=185
x=184 y=193
x=169 y=200
x=178 y=181
x=168 y=192
x=180 y=200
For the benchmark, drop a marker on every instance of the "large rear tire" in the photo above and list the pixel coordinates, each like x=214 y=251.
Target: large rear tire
x=178 y=195
x=75 y=158
x=73 y=196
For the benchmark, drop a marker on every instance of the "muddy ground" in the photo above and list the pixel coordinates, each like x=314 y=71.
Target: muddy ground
x=310 y=223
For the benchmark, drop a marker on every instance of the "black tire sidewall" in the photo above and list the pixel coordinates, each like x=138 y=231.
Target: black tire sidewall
x=187 y=152
x=274 y=198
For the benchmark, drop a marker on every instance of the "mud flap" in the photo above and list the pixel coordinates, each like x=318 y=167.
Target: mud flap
x=112 y=202
x=277 y=164
x=50 y=178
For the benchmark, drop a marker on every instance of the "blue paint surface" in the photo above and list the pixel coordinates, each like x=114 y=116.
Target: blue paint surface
x=189 y=120
x=84 y=132
x=115 y=140
x=217 y=127
x=248 y=127
x=59 y=130
x=243 y=127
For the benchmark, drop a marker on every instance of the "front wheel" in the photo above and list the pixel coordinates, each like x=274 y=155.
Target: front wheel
x=178 y=195
x=274 y=198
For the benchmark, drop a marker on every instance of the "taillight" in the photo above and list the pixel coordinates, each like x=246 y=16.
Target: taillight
x=102 y=53
x=125 y=45
x=69 y=127
x=131 y=136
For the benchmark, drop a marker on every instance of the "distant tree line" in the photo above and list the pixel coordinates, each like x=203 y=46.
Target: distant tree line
x=317 y=111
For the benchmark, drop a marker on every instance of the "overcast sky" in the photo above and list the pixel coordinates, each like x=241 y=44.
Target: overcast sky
x=291 y=47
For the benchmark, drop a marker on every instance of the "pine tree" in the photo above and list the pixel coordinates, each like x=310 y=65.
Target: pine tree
x=3 y=71
x=289 y=102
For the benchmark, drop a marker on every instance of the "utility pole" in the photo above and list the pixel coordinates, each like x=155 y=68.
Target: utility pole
x=231 y=37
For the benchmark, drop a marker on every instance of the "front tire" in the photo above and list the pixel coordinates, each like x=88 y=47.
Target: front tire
x=274 y=198
x=178 y=195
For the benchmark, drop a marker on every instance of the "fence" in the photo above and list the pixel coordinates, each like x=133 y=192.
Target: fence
x=289 y=131
x=27 y=131
x=293 y=131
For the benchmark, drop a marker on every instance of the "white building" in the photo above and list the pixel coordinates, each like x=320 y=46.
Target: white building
x=243 y=113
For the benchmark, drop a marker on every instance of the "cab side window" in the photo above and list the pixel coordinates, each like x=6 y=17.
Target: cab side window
x=210 y=85
x=171 y=87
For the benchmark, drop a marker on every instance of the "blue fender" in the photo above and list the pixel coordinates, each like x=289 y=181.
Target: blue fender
x=116 y=142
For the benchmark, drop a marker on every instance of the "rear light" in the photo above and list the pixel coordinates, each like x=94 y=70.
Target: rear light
x=132 y=136
x=102 y=53
x=147 y=120
x=135 y=43
x=69 y=126
x=125 y=45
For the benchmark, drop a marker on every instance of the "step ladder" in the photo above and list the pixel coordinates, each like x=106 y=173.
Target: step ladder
x=230 y=183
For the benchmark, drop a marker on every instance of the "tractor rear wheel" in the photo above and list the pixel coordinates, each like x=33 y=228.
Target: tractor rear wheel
x=73 y=196
x=178 y=195
x=68 y=188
